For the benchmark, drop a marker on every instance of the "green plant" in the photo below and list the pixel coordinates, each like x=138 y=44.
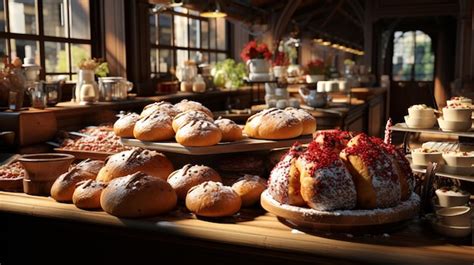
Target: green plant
x=229 y=73
x=100 y=67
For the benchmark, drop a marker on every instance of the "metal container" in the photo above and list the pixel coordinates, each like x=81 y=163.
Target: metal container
x=114 y=88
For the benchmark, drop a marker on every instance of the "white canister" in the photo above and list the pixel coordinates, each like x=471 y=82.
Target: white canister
x=294 y=102
x=281 y=92
x=282 y=103
x=321 y=86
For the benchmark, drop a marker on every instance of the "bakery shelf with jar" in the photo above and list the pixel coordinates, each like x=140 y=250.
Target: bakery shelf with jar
x=189 y=128
x=453 y=157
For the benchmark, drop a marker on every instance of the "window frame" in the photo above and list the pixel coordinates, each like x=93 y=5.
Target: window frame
x=174 y=48
x=41 y=38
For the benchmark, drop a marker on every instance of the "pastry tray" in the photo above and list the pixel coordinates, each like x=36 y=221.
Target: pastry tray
x=245 y=145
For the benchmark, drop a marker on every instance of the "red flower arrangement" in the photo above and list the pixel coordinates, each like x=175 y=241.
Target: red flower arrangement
x=316 y=67
x=280 y=59
x=253 y=50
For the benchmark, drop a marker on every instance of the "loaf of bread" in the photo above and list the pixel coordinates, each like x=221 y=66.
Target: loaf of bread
x=128 y=162
x=199 y=133
x=87 y=194
x=273 y=124
x=376 y=180
x=326 y=184
x=249 y=188
x=308 y=121
x=284 y=182
x=161 y=106
x=212 y=199
x=157 y=126
x=186 y=105
x=230 y=130
x=186 y=117
x=64 y=186
x=184 y=179
x=138 y=195
x=123 y=127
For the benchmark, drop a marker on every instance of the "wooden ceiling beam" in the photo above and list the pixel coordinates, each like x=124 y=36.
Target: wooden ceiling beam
x=285 y=18
x=351 y=19
x=357 y=8
x=333 y=12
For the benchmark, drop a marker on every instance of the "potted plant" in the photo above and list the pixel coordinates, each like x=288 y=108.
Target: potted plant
x=280 y=61
x=256 y=55
x=87 y=89
x=315 y=71
x=229 y=74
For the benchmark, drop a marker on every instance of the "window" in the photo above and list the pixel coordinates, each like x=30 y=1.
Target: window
x=56 y=33
x=413 y=57
x=180 y=35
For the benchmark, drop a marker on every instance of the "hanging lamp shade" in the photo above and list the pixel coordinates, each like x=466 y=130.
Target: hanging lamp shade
x=213 y=10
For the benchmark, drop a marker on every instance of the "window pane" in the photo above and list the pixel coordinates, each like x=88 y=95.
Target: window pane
x=204 y=34
x=56 y=57
x=80 y=19
x=424 y=57
x=53 y=77
x=153 y=28
x=2 y=17
x=54 y=17
x=22 y=48
x=221 y=56
x=194 y=33
x=181 y=10
x=153 y=60
x=23 y=16
x=166 y=61
x=221 y=38
x=3 y=47
x=403 y=55
x=79 y=52
x=164 y=33
x=212 y=33
x=180 y=31
x=212 y=58
x=181 y=56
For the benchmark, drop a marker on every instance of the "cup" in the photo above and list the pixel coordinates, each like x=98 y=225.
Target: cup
x=282 y=103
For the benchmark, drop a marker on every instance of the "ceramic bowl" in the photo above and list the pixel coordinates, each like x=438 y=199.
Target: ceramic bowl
x=459 y=159
x=454 y=126
x=451 y=231
x=42 y=170
x=455 y=216
x=455 y=114
x=420 y=123
x=420 y=112
x=423 y=158
x=449 y=198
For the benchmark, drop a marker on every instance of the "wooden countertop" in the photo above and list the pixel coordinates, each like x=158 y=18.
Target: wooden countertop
x=415 y=243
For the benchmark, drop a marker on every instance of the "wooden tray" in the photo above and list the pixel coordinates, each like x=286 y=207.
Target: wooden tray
x=342 y=220
x=79 y=154
x=244 y=145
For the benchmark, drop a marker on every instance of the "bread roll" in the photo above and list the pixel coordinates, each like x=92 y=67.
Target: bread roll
x=309 y=122
x=326 y=184
x=138 y=195
x=199 y=133
x=273 y=124
x=189 y=176
x=230 y=130
x=376 y=181
x=87 y=194
x=284 y=182
x=212 y=199
x=186 y=105
x=186 y=117
x=154 y=127
x=64 y=186
x=123 y=127
x=127 y=162
x=161 y=106
x=249 y=188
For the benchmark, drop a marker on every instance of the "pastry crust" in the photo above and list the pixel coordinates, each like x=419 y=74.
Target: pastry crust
x=123 y=127
x=87 y=194
x=308 y=121
x=161 y=106
x=154 y=127
x=212 y=199
x=186 y=117
x=230 y=130
x=273 y=124
x=199 y=133
x=184 y=179
x=186 y=105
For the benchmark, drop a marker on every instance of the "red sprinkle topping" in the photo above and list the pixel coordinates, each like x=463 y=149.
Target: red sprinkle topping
x=322 y=157
x=333 y=138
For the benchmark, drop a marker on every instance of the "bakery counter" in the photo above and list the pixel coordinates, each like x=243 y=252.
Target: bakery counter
x=44 y=227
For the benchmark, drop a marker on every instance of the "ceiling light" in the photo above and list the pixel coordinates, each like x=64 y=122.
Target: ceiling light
x=318 y=40
x=326 y=43
x=214 y=11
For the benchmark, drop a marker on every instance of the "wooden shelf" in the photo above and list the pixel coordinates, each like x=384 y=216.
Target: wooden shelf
x=402 y=127
x=446 y=175
x=260 y=231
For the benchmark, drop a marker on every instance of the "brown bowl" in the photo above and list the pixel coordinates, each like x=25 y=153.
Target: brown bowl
x=42 y=170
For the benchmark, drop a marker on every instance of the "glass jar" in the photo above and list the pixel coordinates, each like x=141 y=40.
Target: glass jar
x=199 y=86
x=87 y=89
